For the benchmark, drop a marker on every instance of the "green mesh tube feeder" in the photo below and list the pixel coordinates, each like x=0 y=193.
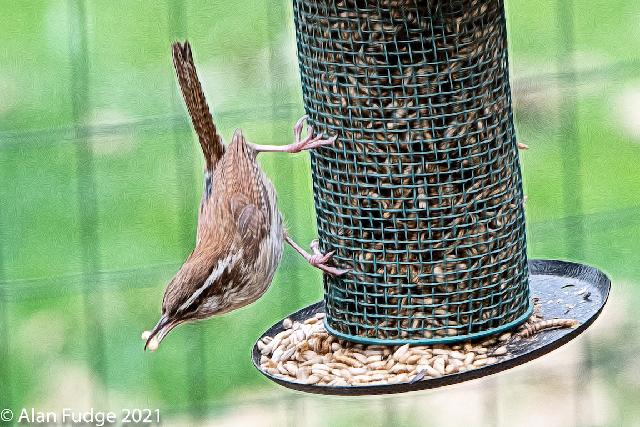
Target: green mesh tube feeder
x=421 y=197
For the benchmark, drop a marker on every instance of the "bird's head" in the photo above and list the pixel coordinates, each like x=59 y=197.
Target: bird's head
x=191 y=295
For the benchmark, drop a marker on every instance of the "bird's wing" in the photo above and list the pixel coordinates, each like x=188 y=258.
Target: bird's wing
x=250 y=221
x=194 y=98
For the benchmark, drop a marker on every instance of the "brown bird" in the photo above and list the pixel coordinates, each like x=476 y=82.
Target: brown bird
x=240 y=231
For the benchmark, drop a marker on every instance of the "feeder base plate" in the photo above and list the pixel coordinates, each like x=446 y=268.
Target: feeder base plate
x=563 y=289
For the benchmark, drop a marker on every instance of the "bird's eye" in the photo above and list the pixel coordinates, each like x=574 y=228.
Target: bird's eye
x=188 y=309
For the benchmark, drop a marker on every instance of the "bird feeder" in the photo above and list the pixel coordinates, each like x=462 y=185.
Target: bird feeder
x=421 y=196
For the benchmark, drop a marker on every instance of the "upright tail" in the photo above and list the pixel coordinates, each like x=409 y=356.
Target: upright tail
x=210 y=140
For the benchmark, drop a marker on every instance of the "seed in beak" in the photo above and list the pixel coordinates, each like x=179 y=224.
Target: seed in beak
x=159 y=331
x=153 y=343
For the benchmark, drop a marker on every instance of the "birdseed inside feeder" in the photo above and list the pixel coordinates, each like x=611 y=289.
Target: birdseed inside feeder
x=421 y=196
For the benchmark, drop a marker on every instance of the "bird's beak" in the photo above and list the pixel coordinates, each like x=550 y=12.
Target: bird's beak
x=157 y=334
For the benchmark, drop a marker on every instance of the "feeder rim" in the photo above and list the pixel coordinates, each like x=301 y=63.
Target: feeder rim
x=433 y=341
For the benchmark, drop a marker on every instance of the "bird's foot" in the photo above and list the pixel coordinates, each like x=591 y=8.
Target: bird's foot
x=320 y=260
x=310 y=142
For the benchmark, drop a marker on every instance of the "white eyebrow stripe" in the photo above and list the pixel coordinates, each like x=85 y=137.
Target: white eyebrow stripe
x=223 y=264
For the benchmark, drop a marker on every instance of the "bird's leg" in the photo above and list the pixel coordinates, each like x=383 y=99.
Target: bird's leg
x=318 y=259
x=308 y=143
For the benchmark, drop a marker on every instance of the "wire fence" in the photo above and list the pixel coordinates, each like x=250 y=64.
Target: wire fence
x=93 y=278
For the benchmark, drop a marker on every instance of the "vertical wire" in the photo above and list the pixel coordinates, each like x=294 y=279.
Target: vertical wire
x=572 y=184
x=272 y=22
x=297 y=191
x=195 y=356
x=269 y=15
x=93 y=298
x=293 y=406
x=390 y=415
x=490 y=402
x=570 y=145
x=6 y=397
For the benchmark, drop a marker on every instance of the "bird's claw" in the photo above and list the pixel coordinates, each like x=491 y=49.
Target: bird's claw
x=320 y=260
x=310 y=141
x=297 y=129
x=332 y=271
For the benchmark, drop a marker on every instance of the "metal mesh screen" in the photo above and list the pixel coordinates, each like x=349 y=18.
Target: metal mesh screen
x=421 y=197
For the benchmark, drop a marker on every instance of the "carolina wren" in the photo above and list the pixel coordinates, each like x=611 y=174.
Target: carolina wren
x=240 y=232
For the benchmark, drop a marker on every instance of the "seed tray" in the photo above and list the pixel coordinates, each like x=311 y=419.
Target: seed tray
x=563 y=290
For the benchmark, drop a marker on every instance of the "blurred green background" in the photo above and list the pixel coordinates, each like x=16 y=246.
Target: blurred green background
x=101 y=177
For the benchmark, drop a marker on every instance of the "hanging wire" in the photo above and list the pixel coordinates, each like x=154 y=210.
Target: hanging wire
x=93 y=300
x=572 y=189
x=6 y=395
x=195 y=363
